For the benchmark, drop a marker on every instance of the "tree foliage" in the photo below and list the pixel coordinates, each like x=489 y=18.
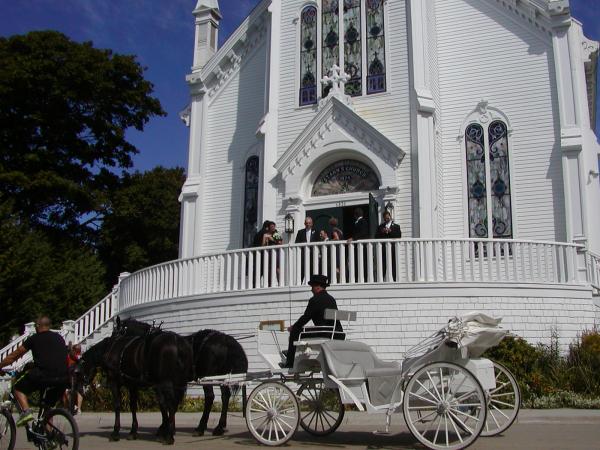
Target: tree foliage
x=43 y=274
x=142 y=227
x=64 y=110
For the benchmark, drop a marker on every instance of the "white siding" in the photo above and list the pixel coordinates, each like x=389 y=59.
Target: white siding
x=233 y=117
x=390 y=320
x=485 y=53
x=388 y=112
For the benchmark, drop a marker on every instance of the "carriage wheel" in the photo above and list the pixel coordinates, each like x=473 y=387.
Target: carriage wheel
x=444 y=406
x=272 y=413
x=503 y=402
x=321 y=408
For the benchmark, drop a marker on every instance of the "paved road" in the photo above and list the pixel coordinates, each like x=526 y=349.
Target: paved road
x=535 y=429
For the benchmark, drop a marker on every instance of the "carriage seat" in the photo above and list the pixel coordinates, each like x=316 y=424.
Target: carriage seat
x=352 y=359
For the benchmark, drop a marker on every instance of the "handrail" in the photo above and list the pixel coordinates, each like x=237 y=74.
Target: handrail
x=357 y=262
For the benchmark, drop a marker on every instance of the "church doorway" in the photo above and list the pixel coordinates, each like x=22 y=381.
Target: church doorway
x=344 y=215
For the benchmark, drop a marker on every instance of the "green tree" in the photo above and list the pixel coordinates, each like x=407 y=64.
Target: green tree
x=39 y=274
x=64 y=110
x=142 y=226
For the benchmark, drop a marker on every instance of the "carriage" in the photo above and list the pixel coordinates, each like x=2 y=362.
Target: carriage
x=449 y=395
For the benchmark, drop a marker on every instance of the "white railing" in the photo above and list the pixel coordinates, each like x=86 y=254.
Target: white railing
x=96 y=316
x=369 y=261
x=593 y=265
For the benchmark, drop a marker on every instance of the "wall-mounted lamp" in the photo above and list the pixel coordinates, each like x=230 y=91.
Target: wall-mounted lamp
x=594 y=173
x=289 y=223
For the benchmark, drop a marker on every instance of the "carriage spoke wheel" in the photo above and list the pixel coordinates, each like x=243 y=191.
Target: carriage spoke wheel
x=444 y=406
x=272 y=413
x=503 y=402
x=321 y=408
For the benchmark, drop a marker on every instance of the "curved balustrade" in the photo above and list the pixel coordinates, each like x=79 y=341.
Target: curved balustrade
x=95 y=317
x=368 y=261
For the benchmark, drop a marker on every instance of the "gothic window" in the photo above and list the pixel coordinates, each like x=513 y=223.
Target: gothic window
x=308 y=56
x=348 y=29
x=375 y=47
x=251 y=200
x=330 y=38
x=488 y=181
x=500 y=180
x=352 y=47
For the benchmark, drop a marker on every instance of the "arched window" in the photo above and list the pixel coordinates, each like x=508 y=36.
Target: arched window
x=375 y=47
x=353 y=47
x=330 y=29
x=347 y=28
x=488 y=181
x=251 y=200
x=308 y=56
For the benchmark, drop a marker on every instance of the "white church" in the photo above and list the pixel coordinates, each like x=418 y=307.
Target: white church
x=470 y=121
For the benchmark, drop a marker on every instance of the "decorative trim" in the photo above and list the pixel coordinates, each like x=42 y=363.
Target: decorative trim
x=227 y=61
x=543 y=14
x=484 y=114
x=333 y=111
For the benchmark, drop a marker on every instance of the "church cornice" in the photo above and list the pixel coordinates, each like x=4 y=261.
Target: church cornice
x=543 y=14
x=229 y=58
x=334 y=111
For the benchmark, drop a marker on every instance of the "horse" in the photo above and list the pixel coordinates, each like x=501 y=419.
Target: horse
x=127 y=362
x=215 y=353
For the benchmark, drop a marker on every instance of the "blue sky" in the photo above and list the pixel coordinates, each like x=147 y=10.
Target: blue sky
x=160 y=33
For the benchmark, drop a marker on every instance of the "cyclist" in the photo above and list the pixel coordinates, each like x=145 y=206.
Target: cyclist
x=49 y=364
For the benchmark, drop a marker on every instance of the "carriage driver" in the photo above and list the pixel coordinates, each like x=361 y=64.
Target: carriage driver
x=49 y=364
x=315 y=311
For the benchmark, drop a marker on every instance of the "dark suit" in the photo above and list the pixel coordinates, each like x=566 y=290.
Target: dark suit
x=301 y=239
x=394 y=233
x=315 y=311
x=360 y=230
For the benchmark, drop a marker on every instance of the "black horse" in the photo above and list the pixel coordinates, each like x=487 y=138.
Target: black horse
x=215 y=353
x=158 y=359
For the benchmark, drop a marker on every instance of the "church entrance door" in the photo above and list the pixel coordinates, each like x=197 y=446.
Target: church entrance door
x=344 y=215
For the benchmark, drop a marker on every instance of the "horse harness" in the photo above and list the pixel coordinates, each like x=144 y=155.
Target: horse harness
x=202 y=344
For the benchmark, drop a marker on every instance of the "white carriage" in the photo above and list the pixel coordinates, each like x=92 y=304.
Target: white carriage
x=448 y=394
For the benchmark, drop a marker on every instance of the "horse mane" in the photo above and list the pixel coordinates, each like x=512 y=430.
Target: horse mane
x=94 y=354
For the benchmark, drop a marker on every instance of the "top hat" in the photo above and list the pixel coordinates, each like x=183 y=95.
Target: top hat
x=321 y=280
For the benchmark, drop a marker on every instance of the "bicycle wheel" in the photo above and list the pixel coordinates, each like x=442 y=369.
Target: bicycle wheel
x=61 y=430
x=8 y=430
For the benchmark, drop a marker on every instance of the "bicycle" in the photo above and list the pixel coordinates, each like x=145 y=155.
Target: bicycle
x=52 y=429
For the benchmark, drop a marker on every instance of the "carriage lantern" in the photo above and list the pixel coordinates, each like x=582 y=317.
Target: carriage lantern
x=289 y=223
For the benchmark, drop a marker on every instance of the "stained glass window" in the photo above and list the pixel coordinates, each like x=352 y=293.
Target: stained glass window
x=308 y=56
x=375 y=47
x=251 y=200
x=352 y=47
x=476 y=182
x=330 y=51
x=500 y=180
x=489 y=188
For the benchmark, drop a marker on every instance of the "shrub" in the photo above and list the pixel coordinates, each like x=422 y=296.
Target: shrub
x=584 y=363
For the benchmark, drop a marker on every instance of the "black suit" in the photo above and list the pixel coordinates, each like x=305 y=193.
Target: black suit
x=301 y=236
x=315 y=311
x=360 y=230
x=301 y=239
x=394 y=233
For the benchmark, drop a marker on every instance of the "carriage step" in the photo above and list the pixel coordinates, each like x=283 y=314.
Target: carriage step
x=382 y=433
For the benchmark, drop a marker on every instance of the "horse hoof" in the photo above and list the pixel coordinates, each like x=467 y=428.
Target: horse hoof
x=218 y=431
x=132 y=436
x=169 y=441
x=114 y=438
x=198 y=432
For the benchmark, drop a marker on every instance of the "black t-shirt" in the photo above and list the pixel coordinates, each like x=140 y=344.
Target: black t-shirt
x=49 y=352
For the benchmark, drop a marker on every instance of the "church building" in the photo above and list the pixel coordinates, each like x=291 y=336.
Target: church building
x=465 y=118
